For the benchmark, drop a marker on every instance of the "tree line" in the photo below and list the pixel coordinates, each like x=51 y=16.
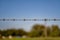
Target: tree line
x=38 y=30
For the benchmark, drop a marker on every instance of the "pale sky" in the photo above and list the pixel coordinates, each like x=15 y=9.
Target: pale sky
x=28 y=9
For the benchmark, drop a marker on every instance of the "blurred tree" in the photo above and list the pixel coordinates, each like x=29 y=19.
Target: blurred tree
x=55 y=31
x=21 y=32
x=48 y=31
x=37 y=30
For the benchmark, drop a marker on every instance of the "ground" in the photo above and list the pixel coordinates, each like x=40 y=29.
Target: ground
x=49 y=38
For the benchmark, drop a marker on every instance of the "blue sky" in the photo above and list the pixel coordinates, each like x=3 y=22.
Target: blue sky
x=27 y=9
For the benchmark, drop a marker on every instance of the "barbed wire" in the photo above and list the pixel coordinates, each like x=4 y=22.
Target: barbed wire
x=4 y=19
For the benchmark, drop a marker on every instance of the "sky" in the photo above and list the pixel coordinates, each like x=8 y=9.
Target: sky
x=27 y=9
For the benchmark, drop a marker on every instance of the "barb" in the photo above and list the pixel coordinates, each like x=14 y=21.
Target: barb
x=4 y=19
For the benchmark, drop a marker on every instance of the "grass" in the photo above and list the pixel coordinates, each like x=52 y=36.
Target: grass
x=41 y=38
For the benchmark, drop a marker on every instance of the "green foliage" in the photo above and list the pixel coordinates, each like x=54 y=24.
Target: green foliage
x=13 y=32
x=36 y=31
x=55 y=31
x=39 y=30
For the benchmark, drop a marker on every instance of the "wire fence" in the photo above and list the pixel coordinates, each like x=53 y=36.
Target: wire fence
x=29 y=19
